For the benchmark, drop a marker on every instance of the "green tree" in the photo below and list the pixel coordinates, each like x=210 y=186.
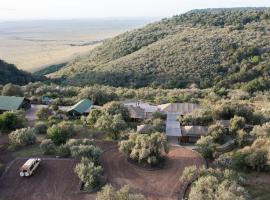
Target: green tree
x=89 y=173
x=10 y=121
x=12 y=90
x=143 y=148
x=115 y=108
x=206 y=146
x=59 y=133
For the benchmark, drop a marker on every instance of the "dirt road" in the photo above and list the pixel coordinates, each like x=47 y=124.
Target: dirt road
x=161 y=184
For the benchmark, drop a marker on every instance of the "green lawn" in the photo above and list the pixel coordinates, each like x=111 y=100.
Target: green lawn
x=29 y=151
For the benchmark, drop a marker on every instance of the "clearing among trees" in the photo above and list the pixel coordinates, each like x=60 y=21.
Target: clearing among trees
x=160 y=184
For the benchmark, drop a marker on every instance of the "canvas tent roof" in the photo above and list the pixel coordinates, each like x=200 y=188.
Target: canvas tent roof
x=181 y=108
x=82 y=106
x=194 y=130
x=8 y=103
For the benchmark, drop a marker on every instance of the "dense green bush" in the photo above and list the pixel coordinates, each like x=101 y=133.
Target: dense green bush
x=214 y=184
x=10 y=121
x=201 y=117
x=89 y=173
x=237 y=123
x=41 y=128
x=110 y=193
x=44 y=113
x=206 y=146
x=60 y=133
x=48 y=147
x=87 y=151
x=112 y=124
x=218 y=132
x=228 y=110
x=22 y=137
x=93 y=116
x=146 y=149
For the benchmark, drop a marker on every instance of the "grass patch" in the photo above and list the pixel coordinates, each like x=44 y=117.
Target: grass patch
x=33 y=150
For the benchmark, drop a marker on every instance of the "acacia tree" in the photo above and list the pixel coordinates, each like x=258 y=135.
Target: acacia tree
x=143 y=148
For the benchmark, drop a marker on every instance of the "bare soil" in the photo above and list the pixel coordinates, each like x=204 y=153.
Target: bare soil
x=160 y=184
x=55 y=178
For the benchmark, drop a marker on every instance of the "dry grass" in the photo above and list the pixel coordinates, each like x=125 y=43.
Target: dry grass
x=33 y=45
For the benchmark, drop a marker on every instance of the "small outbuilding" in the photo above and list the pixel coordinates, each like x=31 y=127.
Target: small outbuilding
x=83 y=107
x=10 y=103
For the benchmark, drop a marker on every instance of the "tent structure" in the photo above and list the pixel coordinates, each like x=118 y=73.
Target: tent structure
x=82 y=107
x=11 y=103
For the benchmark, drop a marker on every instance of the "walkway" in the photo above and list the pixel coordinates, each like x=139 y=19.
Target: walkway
x=172 y=125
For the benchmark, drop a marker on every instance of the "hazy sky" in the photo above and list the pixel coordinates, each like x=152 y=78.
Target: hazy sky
x=68 y=9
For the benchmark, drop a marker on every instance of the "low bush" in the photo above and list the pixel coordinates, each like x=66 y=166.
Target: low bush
x=63 y=151
x=110 y=193
x=48 y=147
x=22 y=137
x=41 y=128
x=87 y=151
x=59 y=133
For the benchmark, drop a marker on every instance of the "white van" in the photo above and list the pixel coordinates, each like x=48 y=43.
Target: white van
x=29 y=167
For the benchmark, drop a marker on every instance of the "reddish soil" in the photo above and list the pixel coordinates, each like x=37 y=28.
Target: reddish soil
x=53 y=180
x=160 y=184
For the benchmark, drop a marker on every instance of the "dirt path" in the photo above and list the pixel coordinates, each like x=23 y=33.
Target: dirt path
x=155 y=185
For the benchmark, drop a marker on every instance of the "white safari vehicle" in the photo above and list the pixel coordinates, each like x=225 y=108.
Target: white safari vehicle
x=29 y=167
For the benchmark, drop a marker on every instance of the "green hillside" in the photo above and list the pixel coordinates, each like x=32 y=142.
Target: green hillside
x=11 y=74
x=221 y=47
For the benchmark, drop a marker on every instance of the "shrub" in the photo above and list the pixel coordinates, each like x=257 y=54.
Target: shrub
x=93 y=116
x=44 y=113
x=41 y=128
x=236 y=123
x=201 y=117
x=262 y=131
x=77 y=142
x=89 y=173
x=228 y=110
x=87 y=151
x=47 y=146
x=109 y=193
x=111 y=124
x=63 y=151
x=214 y=184
x=10 y=121
x=143 y=148
x=59 y=133
x=22 y=137
x=206 y=146
x=117 y=108
x=217 y=131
